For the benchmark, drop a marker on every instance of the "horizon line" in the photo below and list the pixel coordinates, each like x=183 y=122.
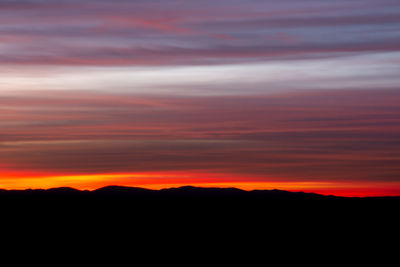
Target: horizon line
x=197 y=187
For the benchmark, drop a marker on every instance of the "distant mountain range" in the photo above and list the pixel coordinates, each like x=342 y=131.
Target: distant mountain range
x=184 y=192
x=192 y=208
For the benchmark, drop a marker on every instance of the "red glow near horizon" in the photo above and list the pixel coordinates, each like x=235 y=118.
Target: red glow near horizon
x=177 y=179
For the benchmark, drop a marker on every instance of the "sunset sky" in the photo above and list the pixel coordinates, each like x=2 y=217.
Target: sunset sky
x=294 y=95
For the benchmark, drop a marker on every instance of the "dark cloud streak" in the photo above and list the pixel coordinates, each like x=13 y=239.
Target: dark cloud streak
x=332 y=135
x=160 y=33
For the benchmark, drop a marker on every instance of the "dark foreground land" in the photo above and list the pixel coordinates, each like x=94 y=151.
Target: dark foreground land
x=193 y=214
x=187 y=200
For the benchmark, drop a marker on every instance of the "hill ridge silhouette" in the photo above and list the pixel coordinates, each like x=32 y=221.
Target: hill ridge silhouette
x=187 y=190
x=201 y=206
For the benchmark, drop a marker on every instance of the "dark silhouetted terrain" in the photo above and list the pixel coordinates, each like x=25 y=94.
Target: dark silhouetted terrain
x=187 y=200
x=188 y=193
x=135 y=195
x=191 y=214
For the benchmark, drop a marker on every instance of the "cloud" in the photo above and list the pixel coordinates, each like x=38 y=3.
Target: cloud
x=334 y=135
x=138 y=33
x=262 y=90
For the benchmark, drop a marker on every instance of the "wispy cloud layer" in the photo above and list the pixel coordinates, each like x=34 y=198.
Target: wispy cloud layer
x=318 y=136
x=189 y=32
x=243 y=90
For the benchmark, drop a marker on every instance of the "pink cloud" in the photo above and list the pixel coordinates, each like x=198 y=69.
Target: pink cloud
x=334 y=135
x=137 y=33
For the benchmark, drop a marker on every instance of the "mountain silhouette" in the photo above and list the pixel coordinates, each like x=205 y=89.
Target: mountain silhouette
x=187 y=210
x=185 y=195
x=182 y=192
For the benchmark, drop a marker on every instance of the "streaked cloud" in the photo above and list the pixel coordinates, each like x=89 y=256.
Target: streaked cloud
x=229 y=91
x=171 y=33
x=331 y=135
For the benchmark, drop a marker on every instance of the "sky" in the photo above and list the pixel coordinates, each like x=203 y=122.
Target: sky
x=294 y=95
